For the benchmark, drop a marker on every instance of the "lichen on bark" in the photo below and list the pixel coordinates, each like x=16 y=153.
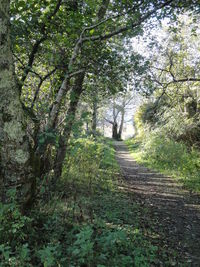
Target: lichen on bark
x=15 y=160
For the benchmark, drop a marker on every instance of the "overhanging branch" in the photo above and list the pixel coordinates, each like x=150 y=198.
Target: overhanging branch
x=126 y=28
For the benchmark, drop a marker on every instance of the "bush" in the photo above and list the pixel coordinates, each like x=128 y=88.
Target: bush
x=85 y=163
x=103 y=245
x=14 y=233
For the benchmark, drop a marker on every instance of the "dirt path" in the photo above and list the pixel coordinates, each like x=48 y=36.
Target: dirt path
x=173 y=212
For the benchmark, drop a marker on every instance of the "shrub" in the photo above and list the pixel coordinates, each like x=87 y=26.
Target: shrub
x=14 y=231
x=83 y=225
x=85 y=164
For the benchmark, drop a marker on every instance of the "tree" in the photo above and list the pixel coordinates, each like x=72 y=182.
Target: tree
x=174 y=78
x=116 y=111
x=55 y=43
x=16 y=162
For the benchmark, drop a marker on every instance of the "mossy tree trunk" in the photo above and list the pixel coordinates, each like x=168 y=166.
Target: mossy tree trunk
x=16 y=172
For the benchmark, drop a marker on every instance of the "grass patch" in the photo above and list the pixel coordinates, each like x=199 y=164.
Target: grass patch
x=169 y=157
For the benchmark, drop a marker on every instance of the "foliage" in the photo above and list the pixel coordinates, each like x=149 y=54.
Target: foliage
x=175 y=123
x=76 y=226
x=85 y=162
x=14 y=233
x=179 y=126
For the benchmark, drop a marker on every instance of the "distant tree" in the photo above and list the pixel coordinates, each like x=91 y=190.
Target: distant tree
x=116 y=111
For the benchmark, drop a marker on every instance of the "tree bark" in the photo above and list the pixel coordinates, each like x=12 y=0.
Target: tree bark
x=63 y=141
x=121 y=125
x=94 y=116
x=103 y=9
x=114 y=131
x=15 y=157
x=114 y=123
x=65 y=87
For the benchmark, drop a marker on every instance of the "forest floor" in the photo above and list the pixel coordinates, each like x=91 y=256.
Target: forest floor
x=171 y=212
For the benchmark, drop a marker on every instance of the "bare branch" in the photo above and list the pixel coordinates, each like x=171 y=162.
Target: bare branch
x=175 y=80
x=111 y=122
x=186 y=80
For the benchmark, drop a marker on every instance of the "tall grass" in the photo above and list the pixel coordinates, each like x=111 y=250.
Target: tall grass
x=169 y=156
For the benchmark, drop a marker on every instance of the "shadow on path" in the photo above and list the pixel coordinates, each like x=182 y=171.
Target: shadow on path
x=176 y=211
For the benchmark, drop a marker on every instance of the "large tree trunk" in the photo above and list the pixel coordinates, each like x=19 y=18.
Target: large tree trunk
x=15 y=165
x=63 y=141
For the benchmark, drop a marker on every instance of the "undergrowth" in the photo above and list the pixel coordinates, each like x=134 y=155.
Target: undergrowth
x=86 y=220
x=168 y=156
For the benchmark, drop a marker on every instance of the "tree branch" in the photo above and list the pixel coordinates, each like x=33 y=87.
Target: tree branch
x=125 y=28
x=111 y=122
x=42 y=79
x=111 y=17
x=64 y=88
x=37 y=45
x=186 y=80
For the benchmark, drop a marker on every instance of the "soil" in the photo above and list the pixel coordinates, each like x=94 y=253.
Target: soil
x=172 y=212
